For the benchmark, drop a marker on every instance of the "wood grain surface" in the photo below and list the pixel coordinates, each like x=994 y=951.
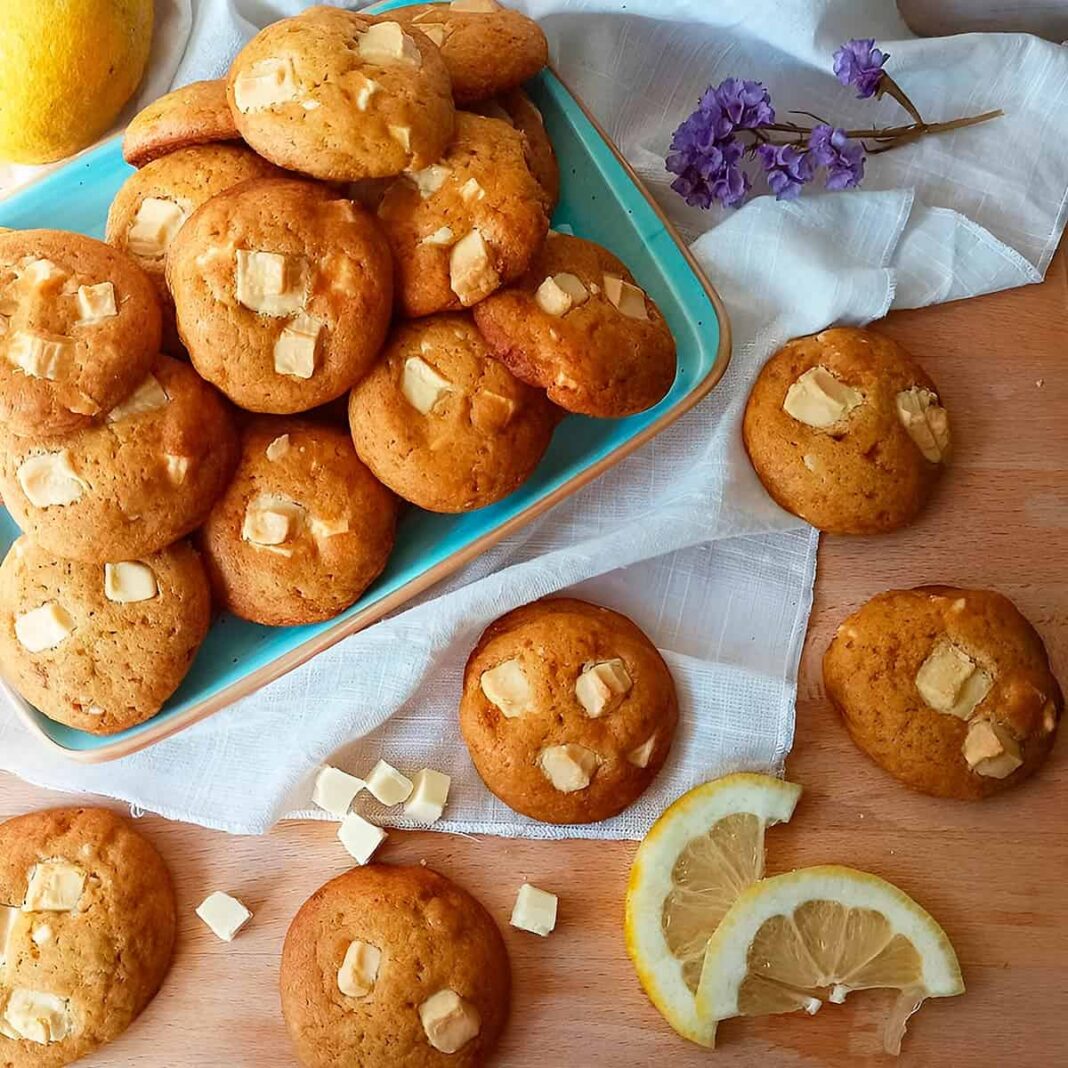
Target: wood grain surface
x=993 y=873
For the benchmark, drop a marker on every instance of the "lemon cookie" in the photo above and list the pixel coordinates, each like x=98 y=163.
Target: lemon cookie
x=303 y=529
x=195 y=114
x=442 y=423
x=469 y=223
x=488 y=48
x=100 y=647
x=397 y=966
x=577 y=325
x=146 y=476
x=79 y=328
x=342 y=96
x=846 y=430
x=568 y=710
x=949 y=690
x=283 y=293
x=87 y=928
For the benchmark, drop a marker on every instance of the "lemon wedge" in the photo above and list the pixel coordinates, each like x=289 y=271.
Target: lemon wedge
x=794 y=941
x=694 y=862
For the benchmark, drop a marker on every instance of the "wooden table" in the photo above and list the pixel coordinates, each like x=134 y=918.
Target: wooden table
x=994 y=874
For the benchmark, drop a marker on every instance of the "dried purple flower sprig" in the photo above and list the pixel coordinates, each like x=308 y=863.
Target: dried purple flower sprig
x=735 y=120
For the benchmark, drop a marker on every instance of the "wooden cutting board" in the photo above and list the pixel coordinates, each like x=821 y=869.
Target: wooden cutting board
x=994 y=874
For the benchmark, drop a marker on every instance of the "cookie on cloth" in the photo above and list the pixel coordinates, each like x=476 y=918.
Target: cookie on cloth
x=578 y=326
x=79 y=328
x=146 y=476
x=87 y=929
x=949 y=690
x=442 y=423
x=390 y=965
x=100 y=647
x=195 y=114
x=342 y=96
x=303 y=529
x=846 y=430
x=283 y=291
x=568 y=710
x=488 y=48
x=468 y=223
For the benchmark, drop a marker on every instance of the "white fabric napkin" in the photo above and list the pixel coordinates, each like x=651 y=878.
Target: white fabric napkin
x=680 y=536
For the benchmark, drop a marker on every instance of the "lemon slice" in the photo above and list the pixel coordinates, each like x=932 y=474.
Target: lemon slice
x=794 y=941
x=696 y=859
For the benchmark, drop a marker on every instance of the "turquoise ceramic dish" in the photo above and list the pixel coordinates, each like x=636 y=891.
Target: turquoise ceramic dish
x=601 y=199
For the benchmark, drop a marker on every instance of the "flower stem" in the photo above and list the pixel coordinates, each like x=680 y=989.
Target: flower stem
x=888 y=87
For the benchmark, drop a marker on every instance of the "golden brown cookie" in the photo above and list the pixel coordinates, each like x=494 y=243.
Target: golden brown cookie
x=568 y=710
x=488 y=48
x=143 y=478
x=949 y=690
x=79 y=328
x=445 y=425
x=195 y=114
x=466 y=225
x=395 y=966
x=578 y=326
x=846 y=430
x=303 y=529
x=283 y=291
x=342 y=96
x=100 y=647
x=88 y=918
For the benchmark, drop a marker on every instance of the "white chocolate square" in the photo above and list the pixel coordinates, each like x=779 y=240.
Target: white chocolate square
x=403 y=136
x=949 y=681
x=360 y=837
x=267 y=84
x=534 y=910
x=507 y=687
x=225 y=915
x=442 y=237
x=38 y=273
x=639 y=756
x=430 y=791
x=627 y=298
x=129 y=581
x=36 y=1016
x=568 y=767
x=365 y=89
x=54 y=886
x=449 y=1021
x=154 y=227
x=278 y=448
x=384 y=43
x=96 y=303
x=149 y=396
x=422 y=386
x=269 y=283
x=271 y=520
x=44 y=627
x=359 y=970
x=436 y=32
x=990 y=750
x=296 y=348
x=471 y=191
x=430 y=179
x=600 y=685
x=388 y=785
x=335 y=790
x=322 y=529
x=818 y=399
x=552 y=299
x=39 y=355
x=177 y=468
x=490 y=411
x=472 y=274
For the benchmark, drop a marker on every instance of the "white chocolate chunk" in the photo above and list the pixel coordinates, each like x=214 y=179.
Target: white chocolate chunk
x=508 y=687
x=430 y=179
x=601 y=685
x=442 y=237
x=365 y=89
x=37 y=1016
x=271 y=520
x=572 y=285
x=359 y=970
x=534 y=910
x=360 y=837
x=951 y=682
x=177 y=468
x=627 y=298
x=430 y=791
x=388 y=785
x=385 y=43
x=269 y=283
x=296 y=347
x=471 y=191
x=267 y=84
x=44 y=627
x=472 y=274
x=448 y=1021
x=154 y=227
x=335 y=789
x=38 y=273
x=568 y=767
x=422 y=386
x=321 y=529
x=8 y=918
x=96 y=303
x=310 y=105
x=39 y=355
x=490 y=411
x=552 y=298
x=812 y=462
x=925 y=421
x=42 y=934
x=225 y=915
x=475 y=6
x=990 y=750
x=54 y=886
x=819 y=399
x=129 y=581
x=149 y=396
x=435 y=32
x=277 y=448
x=640 y=755
x=402 y=135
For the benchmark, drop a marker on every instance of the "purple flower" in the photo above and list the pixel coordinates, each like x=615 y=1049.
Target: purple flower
x=786 y=168
x=711 y=174
x=745 y=105
x=844 y=159
x=859 y=63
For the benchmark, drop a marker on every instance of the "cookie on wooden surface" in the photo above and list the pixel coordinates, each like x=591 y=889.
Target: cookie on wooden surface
x=303 y=529
x=568 y=710
x=100 y=647
x=949 y=690
x=79 y=328
x=445 y=425
x=578 y=326
x=195 y=114
x=144 y=477
x=846 y=430
x=396 y=966
x=89 y=921
x=342 y=96
x=283 y=291
x=487 y=48
x=468 y=223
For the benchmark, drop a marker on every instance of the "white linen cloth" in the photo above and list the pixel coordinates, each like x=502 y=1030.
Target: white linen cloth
x=680 y=536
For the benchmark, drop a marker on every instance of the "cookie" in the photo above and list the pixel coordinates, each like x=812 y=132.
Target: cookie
x=397 y=966
x=303 y=529
x=79 y=328
x=88 y=917
x=100 y=647
x=487 y=48
x=846 y=430
x=442 y=423
x=568 y=710
x=578 y=326
x=195 y=114
x=145 y=477
x=342 y=96
x=468 y=224
x=283 y=291
x=949 y=690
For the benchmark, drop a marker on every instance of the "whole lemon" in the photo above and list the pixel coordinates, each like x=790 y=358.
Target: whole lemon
x=66 y=69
